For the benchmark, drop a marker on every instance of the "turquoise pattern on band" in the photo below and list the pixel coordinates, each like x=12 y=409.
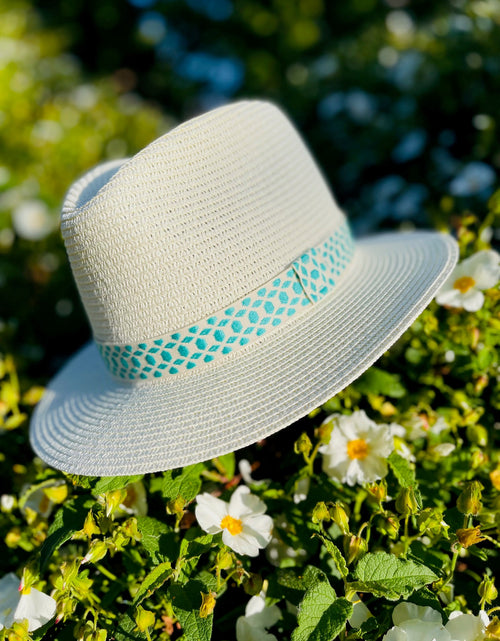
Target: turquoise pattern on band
x=303 y=284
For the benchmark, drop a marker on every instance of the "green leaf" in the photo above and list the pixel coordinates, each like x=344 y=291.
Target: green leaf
x=157 y=539
x=112 y=483
x=226 y=465
x=81 y=481
x=402 y=470
x=336 y=555
x=183 y=482
x=126 y=629
x=384 y=575
x=186 y=602
x=68 y=520
x=291 y=583
x=321 y=615
x=377 y=381
x=155 y=579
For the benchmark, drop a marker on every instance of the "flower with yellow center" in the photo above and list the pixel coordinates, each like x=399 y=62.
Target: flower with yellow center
x=244 y=526
x=357 y=450
x=464 y=286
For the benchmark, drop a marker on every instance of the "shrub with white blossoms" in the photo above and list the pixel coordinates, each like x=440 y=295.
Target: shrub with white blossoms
x=464 y=287
x=20 y=604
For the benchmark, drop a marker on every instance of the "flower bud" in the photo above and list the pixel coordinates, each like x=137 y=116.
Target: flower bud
x=487 y=590
x=207 y=604
x=324 y=431
x=303 y=445
x=253 y=584
x=320 y=513
x=354 y=548
x=378 y=491
x=144 y=618
x=469 y=501
x=90 y=526
x=224 y=559
x=477 y=434
x=388 y=524
x=469 y=536
x=481 y=383
x=112 y=500
x=176 y=506
x=97 y=551
x=495 y=478
x=407 y=501
x=339 y=516
x=493 y=629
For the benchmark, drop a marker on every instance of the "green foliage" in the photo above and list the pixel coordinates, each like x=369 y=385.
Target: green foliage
x=105 y=548
x=383 y=574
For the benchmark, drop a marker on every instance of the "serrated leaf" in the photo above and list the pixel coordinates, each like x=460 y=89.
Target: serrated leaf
x=185 y=482
x=322 y=616
x=402 y=470
x=157 y=539
x=291 y=583
x=186 y=602
x=336 y=555
x=379 y=382
x=154 y=580
x=68 y=520
x=112 y=483
x=384 y=575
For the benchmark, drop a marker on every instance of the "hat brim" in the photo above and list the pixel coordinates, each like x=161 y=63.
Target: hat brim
x=89 y=423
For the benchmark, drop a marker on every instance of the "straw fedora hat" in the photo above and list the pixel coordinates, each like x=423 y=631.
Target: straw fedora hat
x=226 y=296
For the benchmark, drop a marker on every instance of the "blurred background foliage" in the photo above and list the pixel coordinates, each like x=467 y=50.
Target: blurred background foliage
x=396 y=98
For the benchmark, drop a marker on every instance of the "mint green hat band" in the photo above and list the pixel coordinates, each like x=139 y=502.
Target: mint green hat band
x=305 y=282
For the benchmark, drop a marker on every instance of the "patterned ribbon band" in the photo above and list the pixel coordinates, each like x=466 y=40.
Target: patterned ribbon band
x=305 y=282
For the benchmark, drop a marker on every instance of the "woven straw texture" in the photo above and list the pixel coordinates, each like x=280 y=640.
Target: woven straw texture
x=194 y=222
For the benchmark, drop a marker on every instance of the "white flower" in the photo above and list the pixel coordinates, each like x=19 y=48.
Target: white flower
x=31 y=220
x=416 y=623
x=244 y=526
x=357 y=450
x=258 y=617
x=467 y=627
x=31 y=604
x=38 y=501
x=463 y=287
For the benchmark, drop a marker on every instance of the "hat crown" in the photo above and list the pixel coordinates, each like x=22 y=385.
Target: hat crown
x=198 y=219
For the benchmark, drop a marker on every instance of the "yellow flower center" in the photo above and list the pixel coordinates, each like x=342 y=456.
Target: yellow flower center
x=464 y=283
x=358 y=448
x=235 y=526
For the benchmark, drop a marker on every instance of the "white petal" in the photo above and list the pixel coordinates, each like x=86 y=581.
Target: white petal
x=37 y=607
x=256 y=604
x=360 y=613
x=418 y=630
x=209 y=512
x=259 y=527
x=443 y=449
x=354 y=473
x=373 y=468
x=466 y=627
x=451 y=297
x=405 y=611
x=268 y=617
x=473 y=300
x=245 y=470
x=337 y=471
x=395 y=634
x=301 y=490
x=244 y=503
x=246 y=632
x=241 y=543
x=336 y=449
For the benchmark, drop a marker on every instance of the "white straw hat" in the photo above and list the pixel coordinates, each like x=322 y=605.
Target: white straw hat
x=225 y=294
